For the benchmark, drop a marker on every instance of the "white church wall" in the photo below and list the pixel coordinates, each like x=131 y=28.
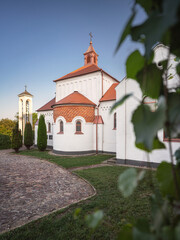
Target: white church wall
x=48 y=117
x=69 y=141
x=125 y=138
x=107 y=82
x=89 y=85
x=108 y=131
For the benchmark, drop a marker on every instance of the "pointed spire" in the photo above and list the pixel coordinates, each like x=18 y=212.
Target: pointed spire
x=90 y=56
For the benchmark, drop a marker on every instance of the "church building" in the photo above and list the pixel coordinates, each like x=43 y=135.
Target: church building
x=78 y=118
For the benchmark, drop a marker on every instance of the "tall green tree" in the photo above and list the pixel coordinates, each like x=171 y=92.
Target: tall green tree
x=16 y=138
x=42 y=134
x=34 y=118
x=28 y=135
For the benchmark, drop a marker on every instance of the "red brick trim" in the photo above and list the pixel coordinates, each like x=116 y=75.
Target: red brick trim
x=78 y=133
x=60 y=133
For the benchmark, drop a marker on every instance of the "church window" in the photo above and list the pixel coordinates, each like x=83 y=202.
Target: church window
x=78 y=127
x=27 y=111
x=61 y=127
x=95 y=60
x=88 y=59
x=49 y=127
x=114 y=121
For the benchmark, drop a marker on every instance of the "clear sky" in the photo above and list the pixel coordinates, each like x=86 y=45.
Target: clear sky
x=42 y=40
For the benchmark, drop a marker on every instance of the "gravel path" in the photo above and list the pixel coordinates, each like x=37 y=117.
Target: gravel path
x=31 y=188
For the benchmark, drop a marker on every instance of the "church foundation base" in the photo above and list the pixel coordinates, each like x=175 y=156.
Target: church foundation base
x=137 y=163
x=81 y=152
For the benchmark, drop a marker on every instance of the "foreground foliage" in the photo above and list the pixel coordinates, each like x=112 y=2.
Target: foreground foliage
x=117 y=211
x=162 y=25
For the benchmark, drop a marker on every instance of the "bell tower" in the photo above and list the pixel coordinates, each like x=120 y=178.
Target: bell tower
x=25 y=109
x=90 y=56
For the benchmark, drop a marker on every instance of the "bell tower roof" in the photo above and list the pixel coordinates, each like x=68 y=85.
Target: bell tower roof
x=90 y=56
x=25 y=93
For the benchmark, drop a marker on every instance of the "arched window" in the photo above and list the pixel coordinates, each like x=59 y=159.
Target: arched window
x=49 y=127
x=88 y=59
x=61 y=127
x=78 y=126
x=27 y=111
x=114 y=120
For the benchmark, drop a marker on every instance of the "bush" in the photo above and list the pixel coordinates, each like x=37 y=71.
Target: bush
x=16 y=138
x=42 y=135
x=5 y=141
x=28 y=135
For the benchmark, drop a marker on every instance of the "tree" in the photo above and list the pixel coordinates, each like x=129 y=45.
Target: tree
x=35 y=118
x=28 y=135
x=42 y=135
x=6 y=126
x=16 y=138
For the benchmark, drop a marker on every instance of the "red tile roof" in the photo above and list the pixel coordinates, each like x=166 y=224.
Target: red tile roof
x=110 y=94
x=84 y=70
x=98 y=120
x=47 y=106
x=80 y=71
x=75 y=98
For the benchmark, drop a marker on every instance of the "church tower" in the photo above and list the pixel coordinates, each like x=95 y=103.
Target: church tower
x=25 y=109
x=90 y=56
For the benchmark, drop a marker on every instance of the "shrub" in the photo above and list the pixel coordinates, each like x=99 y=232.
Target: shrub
x=5 y=141
x=28 y=135
x=42 y=136
x=16 y=138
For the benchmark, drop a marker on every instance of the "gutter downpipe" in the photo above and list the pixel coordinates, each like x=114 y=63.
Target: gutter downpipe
x=102 y=82
x=97 y=129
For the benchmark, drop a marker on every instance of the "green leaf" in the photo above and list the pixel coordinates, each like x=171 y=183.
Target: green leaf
x=141 y=231
x=156 y=145
x=128 y=181
x=177 y=232
x=154 y=28
x=126 y=233
x=134 y=64
x=94 y=219
x=150 y=81
x=147 y=5
x=120 y=101
x=126 y=31
x=174 y=113
x=166 y=180
x=177 y=155
x=147 y=123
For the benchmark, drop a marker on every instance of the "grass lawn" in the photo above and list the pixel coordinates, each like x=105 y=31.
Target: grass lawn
x=68 y=162
x=118 y=211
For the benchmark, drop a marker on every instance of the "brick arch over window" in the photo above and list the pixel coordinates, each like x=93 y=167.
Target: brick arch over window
x=69 y=112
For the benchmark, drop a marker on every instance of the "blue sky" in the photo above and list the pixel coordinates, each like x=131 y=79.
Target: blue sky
x=42 y=40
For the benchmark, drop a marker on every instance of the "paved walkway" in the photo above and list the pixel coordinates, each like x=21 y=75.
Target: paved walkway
x=31 y=188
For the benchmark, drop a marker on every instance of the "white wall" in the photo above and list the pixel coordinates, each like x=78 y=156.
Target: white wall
x=108 y=133
x=125 y=138
x=48 y=117
x=71 y=142
x=89 y=85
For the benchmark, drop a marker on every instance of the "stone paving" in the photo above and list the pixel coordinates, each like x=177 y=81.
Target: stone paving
x=31 y=188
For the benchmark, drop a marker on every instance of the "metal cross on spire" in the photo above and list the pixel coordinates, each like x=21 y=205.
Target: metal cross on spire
x=25 y=87
x=91 y=36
